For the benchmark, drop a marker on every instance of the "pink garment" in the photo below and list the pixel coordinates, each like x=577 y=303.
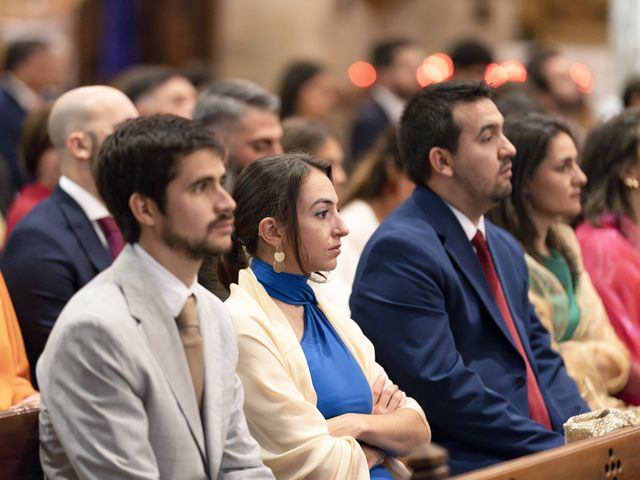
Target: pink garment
x=30 y=196
x=613 y=262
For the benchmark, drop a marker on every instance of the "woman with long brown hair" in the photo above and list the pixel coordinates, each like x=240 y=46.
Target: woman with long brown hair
x=547 y=182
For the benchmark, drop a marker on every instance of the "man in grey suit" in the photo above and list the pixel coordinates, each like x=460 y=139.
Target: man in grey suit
x=138 y=376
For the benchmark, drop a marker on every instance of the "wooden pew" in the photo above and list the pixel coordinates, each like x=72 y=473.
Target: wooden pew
x=615 y=456
x=19 y=459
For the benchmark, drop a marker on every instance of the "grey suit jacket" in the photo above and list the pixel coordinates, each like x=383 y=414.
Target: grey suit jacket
x=117 y=397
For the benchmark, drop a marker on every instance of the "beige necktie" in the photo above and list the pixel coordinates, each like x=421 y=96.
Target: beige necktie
x=192 y=343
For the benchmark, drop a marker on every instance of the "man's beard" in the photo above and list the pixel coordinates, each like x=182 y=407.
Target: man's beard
x=195 y=249
x=498 y=193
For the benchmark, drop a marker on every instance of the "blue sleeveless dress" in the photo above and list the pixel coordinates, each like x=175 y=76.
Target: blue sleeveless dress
x=337 y=378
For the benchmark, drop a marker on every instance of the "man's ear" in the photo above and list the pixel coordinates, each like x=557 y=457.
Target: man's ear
x=80 y=145
x=440 y=161
x=271 y=232
x=144 y=210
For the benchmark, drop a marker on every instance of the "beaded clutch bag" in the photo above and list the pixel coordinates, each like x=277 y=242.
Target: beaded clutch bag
x=597 y=423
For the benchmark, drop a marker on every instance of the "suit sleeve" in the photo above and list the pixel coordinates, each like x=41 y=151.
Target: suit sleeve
x=40 y=280
x=241 y=457
x=92 y=404
x=402 y=307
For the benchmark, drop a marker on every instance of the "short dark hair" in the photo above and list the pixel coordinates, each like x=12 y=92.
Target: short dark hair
x=531 y=133
x=143 y=156
x=295 y=76
x=610 y=149
x=304 y=135
x=34 y=140
x=469 y=52
x=20 y=51
x=427 y=122
x=536 y=73
x=140 y=80
x=268 y=188
x=384 y=52
x=631 y=89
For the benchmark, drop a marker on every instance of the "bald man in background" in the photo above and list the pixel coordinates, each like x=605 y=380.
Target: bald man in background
x=70 y=237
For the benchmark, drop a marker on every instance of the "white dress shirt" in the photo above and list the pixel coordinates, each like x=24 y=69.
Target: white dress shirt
x=392 y=104
x=467 y=225
x=172 y=290
x=93 y=208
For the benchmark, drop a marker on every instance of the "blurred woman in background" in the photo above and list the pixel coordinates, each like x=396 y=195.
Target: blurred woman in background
x=307 y=90
x=547 y=182
x=610 y=233
x=377 y=186
x=303 y=135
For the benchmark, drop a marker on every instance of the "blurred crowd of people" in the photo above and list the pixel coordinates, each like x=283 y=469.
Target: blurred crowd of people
x=485 y=242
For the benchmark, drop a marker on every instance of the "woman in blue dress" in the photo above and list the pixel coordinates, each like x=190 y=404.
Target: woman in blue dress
x=316 y=400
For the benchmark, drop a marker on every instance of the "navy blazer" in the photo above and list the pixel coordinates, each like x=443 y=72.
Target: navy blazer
x=52 y=253
x=421 y=297
x=369 y=124
x=11 y=119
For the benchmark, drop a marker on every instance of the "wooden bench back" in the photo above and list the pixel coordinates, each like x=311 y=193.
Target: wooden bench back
x=612 y=457
x=19 y=459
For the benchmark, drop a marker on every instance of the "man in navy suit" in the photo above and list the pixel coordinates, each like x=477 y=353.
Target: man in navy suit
x=30 y=71
x=70 y=237
x=396 y=62
x=450 y=317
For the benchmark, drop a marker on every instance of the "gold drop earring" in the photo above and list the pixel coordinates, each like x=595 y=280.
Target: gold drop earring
x=631 y=183
x=278 y=260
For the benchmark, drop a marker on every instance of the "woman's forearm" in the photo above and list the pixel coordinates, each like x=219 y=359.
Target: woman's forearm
x=397 y=433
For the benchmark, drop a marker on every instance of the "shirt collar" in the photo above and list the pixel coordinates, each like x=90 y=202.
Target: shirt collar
x=93 y=208
x=172 y=290
x=26 y=97
x=467 y=225
x=392 y=104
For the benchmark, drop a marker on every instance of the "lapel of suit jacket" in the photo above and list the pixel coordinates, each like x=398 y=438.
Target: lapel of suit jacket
x=460 y=252
x=82 y=229
x=212 y=399
x=8 y=91
x=162 y=335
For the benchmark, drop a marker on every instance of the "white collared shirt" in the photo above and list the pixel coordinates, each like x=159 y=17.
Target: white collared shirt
x=93 y=208
x=392 y=104
x=467 y=225
x=172 y=290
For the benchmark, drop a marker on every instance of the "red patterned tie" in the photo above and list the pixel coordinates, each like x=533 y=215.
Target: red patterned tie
x=113 y=235
x=537 y=408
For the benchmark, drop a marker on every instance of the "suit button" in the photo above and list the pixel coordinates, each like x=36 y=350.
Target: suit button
x=520 y=381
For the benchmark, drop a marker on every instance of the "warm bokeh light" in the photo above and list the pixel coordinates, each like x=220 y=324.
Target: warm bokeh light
x=436 y=68
x=495 y=75
x=362 y=74
x=498 y=74
x=583 y=77
x=516 y=71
